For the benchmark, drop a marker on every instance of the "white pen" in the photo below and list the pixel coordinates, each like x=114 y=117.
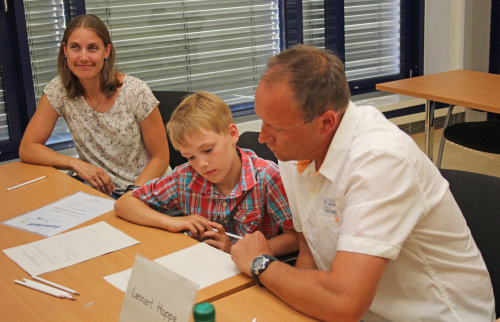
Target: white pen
x=44 y=289
x=25 y=183
x=229 y=234
x=64 y=288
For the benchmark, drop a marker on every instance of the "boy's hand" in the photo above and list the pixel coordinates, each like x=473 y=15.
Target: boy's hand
x=195 y=224
x=217 y=239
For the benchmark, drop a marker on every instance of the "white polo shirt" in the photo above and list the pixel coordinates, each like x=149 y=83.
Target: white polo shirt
x=378 y=194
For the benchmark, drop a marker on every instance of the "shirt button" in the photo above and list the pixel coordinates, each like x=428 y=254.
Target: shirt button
x=224 y=204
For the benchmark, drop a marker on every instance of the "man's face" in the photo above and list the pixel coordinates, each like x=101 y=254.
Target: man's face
x=283 y=129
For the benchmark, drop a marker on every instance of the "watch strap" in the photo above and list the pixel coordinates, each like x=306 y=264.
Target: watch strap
x=256 y=271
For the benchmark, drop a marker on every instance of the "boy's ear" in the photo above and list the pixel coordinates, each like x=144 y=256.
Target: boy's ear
x=233 y=132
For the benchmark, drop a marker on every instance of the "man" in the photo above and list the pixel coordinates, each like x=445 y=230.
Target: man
x=380 y=235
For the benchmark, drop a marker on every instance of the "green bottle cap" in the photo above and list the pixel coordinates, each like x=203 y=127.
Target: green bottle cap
x=204 y=312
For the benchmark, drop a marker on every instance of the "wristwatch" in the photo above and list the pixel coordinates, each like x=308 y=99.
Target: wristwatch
x=259 y=264
x=131 y=187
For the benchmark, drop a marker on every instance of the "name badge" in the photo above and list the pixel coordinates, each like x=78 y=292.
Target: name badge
x=155 y=293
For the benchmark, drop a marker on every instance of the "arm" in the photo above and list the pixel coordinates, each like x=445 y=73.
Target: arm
x=285 y=243
x=155 y=139
x=33 y=150
x=305 y=258
x=132 y=209
x=344 y=293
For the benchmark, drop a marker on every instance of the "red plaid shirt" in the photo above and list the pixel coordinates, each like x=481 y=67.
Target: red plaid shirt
x=257 y=202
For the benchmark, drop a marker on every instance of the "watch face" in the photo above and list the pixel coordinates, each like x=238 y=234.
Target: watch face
x=258 y=262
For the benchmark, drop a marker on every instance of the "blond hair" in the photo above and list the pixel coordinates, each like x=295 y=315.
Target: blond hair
x=200 y=110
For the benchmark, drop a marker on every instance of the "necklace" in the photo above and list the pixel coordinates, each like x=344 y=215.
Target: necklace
x=98 y=102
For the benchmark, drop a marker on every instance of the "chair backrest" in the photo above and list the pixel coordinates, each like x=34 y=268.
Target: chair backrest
x=477 y=195
x=169 y=100
x=250 y=140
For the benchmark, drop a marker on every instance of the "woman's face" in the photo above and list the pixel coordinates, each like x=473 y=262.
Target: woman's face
x=85 y=54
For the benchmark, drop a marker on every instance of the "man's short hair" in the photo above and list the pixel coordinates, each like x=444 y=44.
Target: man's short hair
x=316 y=77
x=200 y=110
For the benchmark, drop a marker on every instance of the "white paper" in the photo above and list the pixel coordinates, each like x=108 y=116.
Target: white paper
x=63 y=214
x=201 y=264
x=69 y=248
x=156 y=293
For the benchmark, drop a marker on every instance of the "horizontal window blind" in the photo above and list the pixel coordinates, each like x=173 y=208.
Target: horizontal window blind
x=220 y=46
x=313 y=16
x=372 y=38
x=45 y=23
x=4 y=126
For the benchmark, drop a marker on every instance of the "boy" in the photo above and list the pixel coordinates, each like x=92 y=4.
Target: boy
x=222 y=187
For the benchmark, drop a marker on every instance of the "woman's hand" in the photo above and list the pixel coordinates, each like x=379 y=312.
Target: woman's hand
x=217 y=239
x=94 y=175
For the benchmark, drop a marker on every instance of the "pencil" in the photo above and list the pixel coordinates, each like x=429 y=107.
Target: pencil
x=64 y=288
x=25 y=183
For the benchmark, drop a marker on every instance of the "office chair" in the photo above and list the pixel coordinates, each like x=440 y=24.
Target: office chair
x=250 y=140
x=169 y=100
x=482 y=136
x=477 y=196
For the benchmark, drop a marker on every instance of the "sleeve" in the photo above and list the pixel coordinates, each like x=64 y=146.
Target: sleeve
x=277 y=202
x=142 y=99
x=381 y=202
x=160 y=193
x=56 y=94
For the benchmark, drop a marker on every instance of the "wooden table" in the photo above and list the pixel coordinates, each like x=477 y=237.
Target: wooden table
x=255 y=302
x=98 y=300
x=459 y=87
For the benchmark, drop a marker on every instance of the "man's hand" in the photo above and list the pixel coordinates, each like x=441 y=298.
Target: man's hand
x=246 y=249
x=217 y=239
x=94 y=175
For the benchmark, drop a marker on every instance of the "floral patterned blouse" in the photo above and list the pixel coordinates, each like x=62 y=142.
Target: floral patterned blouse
x=110 y=140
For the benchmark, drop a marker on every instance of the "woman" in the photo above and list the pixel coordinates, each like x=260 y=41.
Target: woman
x=113 y=118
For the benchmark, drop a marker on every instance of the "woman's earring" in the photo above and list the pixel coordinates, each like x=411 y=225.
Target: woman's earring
x=105 y=58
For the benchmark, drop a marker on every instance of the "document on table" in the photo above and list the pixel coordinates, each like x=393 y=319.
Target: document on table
x=63 y=214
x=201 y=264
x=69 y=248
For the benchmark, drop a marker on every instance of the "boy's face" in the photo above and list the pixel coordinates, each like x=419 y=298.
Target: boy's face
x=213 y=155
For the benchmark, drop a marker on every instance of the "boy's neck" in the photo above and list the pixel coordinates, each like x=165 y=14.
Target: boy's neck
x=233 y=176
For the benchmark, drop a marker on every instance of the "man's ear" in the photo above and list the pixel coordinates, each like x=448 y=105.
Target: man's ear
x=233 y=132
x=328 y=121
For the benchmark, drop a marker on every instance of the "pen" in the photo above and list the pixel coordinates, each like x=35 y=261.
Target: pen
x=25 y=183
x=229 y=234
x=44 y=289
x=64 y=288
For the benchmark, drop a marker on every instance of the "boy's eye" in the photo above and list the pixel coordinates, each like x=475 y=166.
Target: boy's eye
x=208 y=150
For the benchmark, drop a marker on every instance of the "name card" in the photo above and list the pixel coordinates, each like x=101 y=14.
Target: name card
x=155 y=293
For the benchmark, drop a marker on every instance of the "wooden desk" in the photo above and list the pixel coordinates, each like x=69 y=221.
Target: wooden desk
x=99 y=300
x=459 y=87
x=255 y=302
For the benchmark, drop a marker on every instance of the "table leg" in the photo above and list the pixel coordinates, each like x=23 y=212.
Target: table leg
x=429 y=128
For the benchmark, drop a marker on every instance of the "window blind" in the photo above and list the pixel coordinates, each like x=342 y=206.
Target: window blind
x=313 y=16
x=220 y=46
x=45 y=23
x=4 y=126
x=372 y=38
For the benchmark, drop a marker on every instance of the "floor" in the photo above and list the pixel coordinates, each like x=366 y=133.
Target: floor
x=458 y=157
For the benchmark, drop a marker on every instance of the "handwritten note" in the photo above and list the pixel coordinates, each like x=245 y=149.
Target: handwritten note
x=63 y=214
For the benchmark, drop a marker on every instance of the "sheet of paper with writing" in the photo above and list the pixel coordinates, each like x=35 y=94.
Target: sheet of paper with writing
x=69 y=248
x=63 y=214
x=201 y=264
x=155 y=293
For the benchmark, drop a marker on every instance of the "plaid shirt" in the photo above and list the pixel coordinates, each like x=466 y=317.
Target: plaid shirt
x=257 y=202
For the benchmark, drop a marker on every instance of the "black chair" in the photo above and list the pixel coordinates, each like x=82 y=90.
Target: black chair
x=250 y=140
x=169 y=100
x=477 y=196
x=482 y=136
